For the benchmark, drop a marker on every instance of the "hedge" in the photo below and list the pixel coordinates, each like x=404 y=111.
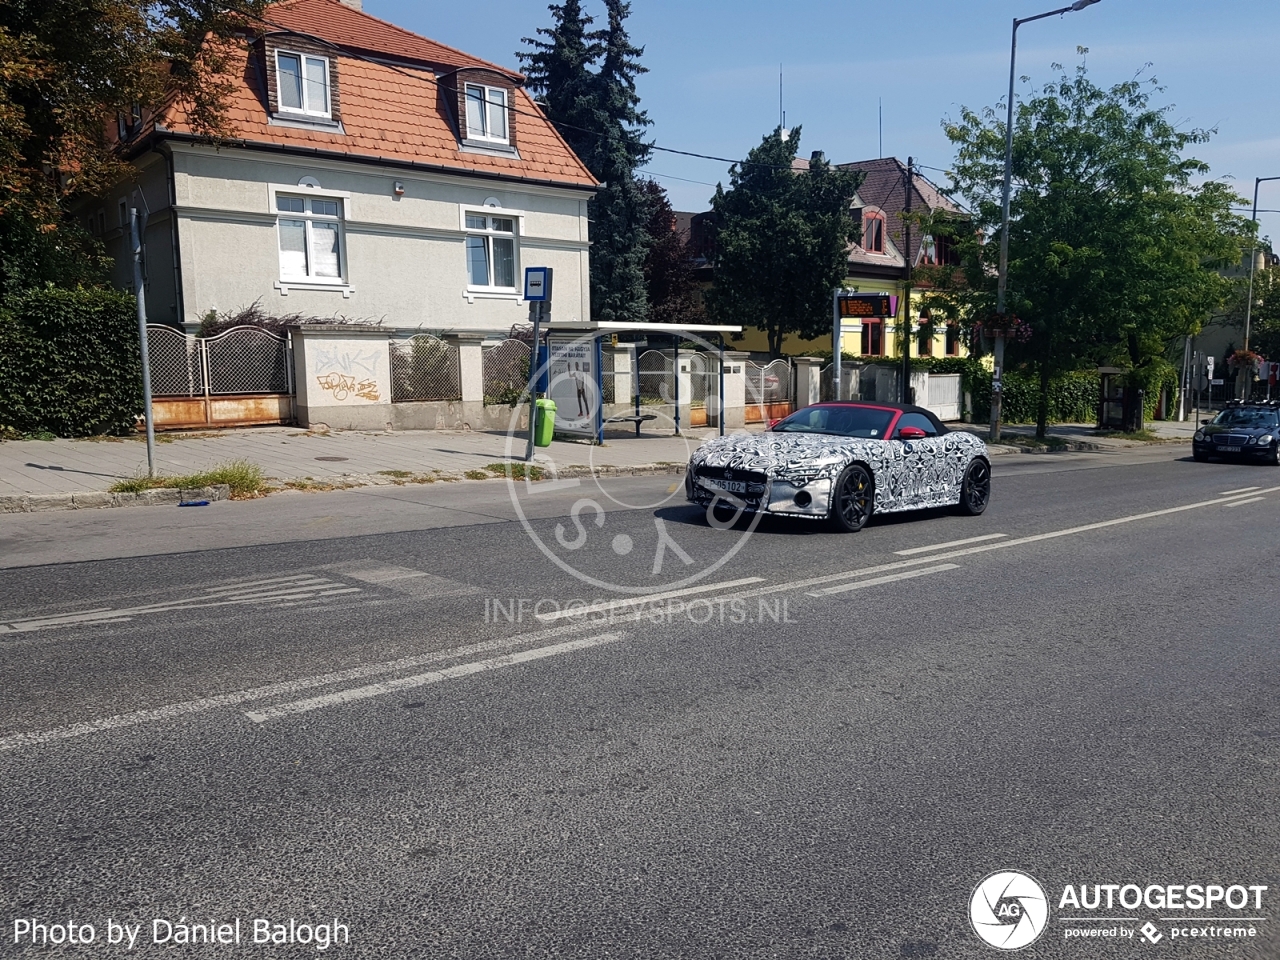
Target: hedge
x=69 y=363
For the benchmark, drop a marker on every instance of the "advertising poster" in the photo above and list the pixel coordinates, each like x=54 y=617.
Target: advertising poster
x=574 y=385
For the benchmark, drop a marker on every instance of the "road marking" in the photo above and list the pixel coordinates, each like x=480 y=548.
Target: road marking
x=435 y=676
x=279 y=590
x=174 y=711
x=1241 y=503
x=609 y=607
x=876 y=581
x=949 y=543
x=1227 y=493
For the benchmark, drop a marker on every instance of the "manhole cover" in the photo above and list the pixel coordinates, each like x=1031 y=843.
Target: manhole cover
x=332 y=459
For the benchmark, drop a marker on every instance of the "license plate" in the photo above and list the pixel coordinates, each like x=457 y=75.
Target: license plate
x=730 y=486
x=1230 y=449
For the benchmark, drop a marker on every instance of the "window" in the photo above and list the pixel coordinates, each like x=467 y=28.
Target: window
x=873 y=338
x=953 y=340
x=873 y=233
x=925 y=339
x=486 y=113
x=918 y=420
x=302 y=83
x=310 y=238
x=491 y=251
x=124 y=216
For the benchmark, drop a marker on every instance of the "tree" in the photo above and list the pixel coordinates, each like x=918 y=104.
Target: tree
x=782 y=241
x=1264 y=318
x=600 y=117
x=1113 y=250
x=558 y=70
x=668 y=268
x=67 y=67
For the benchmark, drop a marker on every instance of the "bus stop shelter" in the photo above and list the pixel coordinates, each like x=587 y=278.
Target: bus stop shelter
x=597 y=331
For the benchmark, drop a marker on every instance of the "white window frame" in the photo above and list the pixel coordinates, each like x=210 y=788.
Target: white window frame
x=491 y=213
x=486 y=137
x=306 y=192
x=306 y=111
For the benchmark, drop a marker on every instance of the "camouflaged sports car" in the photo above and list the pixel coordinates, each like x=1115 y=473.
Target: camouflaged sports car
x=842 y=462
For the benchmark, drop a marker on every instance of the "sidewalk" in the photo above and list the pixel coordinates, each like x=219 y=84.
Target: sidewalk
x=36 y=467
x=1084 y=436
x=33 y=467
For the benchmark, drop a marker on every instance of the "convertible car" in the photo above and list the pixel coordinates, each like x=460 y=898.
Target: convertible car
x=841 y=462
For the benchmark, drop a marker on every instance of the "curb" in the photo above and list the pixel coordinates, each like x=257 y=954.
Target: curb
x=98 y=500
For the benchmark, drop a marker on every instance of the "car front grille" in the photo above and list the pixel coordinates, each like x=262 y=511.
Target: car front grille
x=1232 y=439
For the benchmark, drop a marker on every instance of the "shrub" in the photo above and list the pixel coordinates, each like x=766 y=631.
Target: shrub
x=245 y=479
x=70 y=363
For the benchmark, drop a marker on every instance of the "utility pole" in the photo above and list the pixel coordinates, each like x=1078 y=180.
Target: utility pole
x=904 y=330
x=137 y=228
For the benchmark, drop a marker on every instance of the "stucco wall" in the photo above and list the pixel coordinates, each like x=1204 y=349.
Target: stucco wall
x=404 y=256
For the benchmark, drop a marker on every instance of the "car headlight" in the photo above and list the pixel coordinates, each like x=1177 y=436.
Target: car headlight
x=1266 y=439
x=1253 y=441
x=1199 y=435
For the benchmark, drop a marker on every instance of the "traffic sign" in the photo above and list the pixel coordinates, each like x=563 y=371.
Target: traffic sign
x=537 y=284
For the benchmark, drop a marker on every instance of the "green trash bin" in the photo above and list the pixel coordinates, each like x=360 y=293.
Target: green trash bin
x=545 y=424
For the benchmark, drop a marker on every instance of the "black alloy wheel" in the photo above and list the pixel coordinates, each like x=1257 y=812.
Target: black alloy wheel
x=975 y=492
x=852 y=499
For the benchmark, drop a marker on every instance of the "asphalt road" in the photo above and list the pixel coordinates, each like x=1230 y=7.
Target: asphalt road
x=346 y=707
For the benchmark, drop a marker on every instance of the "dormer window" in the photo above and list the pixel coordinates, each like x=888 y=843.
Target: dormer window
x=873 y=233
x=486 y=113
x=303 y=84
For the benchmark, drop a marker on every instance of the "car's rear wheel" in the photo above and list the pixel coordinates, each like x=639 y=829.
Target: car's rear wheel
x=852 y=499
x=975 y=491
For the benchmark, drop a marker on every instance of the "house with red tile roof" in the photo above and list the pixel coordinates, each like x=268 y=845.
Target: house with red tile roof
x=369 y=173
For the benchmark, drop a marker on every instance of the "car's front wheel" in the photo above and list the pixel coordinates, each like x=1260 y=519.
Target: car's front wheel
x=975 y=491
x=852 y=499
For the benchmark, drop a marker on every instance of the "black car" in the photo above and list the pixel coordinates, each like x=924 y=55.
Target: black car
x=1245 y=431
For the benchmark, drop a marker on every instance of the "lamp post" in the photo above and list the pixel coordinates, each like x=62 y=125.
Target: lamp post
x=1253 y=257
x=1003 y=281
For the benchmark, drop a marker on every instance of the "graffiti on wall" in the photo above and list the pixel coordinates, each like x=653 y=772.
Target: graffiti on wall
x=345 y=372
x=343 y=385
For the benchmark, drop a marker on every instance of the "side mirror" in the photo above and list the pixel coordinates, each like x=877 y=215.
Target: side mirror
x=911 y=433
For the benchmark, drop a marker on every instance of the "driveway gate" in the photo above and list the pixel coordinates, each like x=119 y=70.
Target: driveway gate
x=240 y=377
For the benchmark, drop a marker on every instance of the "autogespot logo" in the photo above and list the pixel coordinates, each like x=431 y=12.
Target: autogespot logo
x=649 y=555
x=1009 y=910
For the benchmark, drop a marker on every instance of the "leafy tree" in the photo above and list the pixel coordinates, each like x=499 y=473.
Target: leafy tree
x=599 y=114
x=1264 y=318
x=558 y=69
x=782 y=241
x=67 y=67
x=1113 y=249
x=668 y=268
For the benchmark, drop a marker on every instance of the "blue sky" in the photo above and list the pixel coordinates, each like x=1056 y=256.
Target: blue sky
x=713 y=81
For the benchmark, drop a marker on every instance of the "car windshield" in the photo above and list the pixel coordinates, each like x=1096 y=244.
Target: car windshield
x=844 y=421
x=1247 y=417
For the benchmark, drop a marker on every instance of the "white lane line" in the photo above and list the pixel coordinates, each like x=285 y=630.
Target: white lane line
x=1241 y=503
x=435 y=676
x=1227 y=493
x=283 y=688
x=876 y=581
x=949 y=543
x=609 y=607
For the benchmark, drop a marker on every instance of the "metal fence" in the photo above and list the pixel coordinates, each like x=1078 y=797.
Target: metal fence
x=505 y=368
x=239 y=361
x=657 y=381
x=424 y=367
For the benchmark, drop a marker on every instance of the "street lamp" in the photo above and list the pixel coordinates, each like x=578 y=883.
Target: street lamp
x=1004 y=217
x=1253 y=255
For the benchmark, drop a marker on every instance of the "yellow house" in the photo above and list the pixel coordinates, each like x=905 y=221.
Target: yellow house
x=878 y=265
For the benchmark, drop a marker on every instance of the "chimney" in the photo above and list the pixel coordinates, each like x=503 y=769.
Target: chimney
x=353 y=4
